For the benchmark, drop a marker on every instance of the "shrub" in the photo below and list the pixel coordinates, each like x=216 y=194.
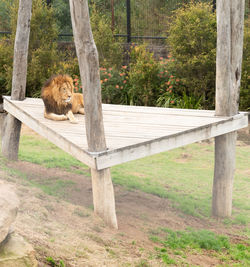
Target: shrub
x=109 y=50
x=62 y=14
x=192 y=41
x=114 y=85
x=143 y=77
x=168 y=85
x=245 y=76
x=6 y=58
x=43 y=59
x=4 y=14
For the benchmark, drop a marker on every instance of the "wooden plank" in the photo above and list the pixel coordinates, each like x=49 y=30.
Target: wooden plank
x=127 y=141
x=48 y=133
x=107 y=108
x=154 y=110
x=111 y=158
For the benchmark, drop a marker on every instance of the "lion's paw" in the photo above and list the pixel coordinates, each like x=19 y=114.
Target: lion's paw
x=74 y=121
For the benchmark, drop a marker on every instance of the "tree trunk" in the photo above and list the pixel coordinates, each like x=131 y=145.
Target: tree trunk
x=10 y=140
x=103 y=193
x=230 y=21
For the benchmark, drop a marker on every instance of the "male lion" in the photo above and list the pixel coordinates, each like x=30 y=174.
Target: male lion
x=60 y=100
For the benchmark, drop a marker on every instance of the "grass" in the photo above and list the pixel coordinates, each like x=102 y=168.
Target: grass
x=42 y=152
x=54 y=263
x=183 y=175
x=54 y=187
x=193 y=241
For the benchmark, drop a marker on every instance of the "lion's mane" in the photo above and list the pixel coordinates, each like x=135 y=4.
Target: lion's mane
x=52 y=96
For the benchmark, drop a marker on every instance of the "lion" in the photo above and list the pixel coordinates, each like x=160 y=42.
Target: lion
x=60 y=101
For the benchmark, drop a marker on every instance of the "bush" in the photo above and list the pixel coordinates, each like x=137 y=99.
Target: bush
x=114 y=85
x=4 y=14
x=169 y=84
x=192 y=41
x=43 y=58
x=245 y=76
x=6 y=58
x=143 y=77
x=109 y=50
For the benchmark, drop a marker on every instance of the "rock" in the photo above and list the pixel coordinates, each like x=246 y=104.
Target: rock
x=15 y=251
x=9 y=204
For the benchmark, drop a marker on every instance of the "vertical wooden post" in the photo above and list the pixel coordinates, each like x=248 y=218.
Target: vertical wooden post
x=2 y=117
x=103 y=192
x=11 y=134
x=230 y=21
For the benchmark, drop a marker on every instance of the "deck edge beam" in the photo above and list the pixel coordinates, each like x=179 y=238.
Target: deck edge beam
x=112 y=158
x=49 y=134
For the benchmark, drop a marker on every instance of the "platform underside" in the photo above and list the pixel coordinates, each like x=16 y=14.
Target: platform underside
x=132 y=132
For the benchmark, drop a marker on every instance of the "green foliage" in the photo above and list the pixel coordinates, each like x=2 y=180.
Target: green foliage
x=162 y=254
x=53 y=263
x=43 y=59
x=70 y=64
x=143 y=77
x=204 y=239
x=114 y=85
x=189 y=102
x=109 y=50
x=178 y=242
x=6 y=58
x=62 y=14
x=168 y=85
x=245 y=76
x=5 y=6
x=192 y=41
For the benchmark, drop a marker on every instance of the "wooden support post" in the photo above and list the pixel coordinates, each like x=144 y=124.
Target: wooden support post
x=103 y=192
x=230 y=21
x=2 y=117
x=11 y=132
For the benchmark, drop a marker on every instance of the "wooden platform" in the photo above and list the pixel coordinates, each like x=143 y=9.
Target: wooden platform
x=132 y=132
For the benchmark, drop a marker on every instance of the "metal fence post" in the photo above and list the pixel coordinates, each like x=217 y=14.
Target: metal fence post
x=214 y=5
x=128 y=22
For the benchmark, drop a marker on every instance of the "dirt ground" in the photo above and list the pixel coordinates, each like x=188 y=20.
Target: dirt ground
x=66 y=228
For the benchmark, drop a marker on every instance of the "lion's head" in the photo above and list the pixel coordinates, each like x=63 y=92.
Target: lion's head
x=57 y=94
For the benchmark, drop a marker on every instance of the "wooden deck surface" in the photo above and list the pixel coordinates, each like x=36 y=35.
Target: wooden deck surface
x=132 y=132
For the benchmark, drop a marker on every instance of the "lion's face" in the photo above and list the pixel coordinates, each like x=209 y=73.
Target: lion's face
x=62 y=88
x=66 y=92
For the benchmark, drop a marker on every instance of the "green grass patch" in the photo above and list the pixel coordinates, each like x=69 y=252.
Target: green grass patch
x=182 y=242
x=42 y=152
x=55 y=263
x=190 y=238
x=54 y=187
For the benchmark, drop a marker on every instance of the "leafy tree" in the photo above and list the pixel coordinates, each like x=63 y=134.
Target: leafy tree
x=192 y=42
x=43 y=57
x=245 y=77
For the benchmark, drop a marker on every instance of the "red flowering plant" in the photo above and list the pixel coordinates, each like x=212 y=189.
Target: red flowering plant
x=77 y=84
x=114 y=85
x=167 y=96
